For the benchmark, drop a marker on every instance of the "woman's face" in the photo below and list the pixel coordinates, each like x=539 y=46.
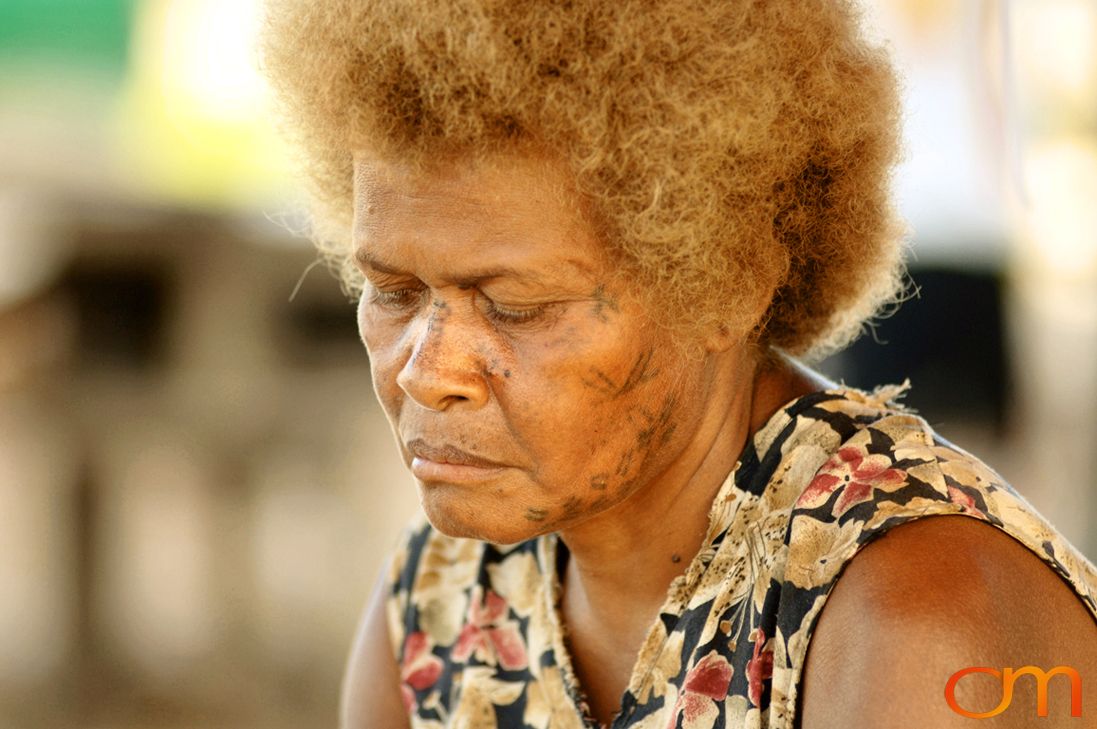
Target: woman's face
x=495 y=332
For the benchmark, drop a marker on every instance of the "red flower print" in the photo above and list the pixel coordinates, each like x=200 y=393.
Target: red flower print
x=490 y=635
x=706 y=683
x=759 y=668
x=710 y=677
x=420 y=668
x=966 y=502
x=856 y=472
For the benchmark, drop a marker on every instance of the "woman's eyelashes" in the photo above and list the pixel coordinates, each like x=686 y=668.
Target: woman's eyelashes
x=406 y=300
x=396 y=298
x=506 y=315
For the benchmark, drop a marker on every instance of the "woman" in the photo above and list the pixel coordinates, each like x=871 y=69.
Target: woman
x=589 y=240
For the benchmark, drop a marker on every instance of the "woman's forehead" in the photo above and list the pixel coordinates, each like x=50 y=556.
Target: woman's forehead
x=504 y=213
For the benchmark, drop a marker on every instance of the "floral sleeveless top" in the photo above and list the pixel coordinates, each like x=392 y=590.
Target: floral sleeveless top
x=476 y=628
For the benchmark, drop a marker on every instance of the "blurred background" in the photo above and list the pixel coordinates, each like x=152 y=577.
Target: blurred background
x=196 y=485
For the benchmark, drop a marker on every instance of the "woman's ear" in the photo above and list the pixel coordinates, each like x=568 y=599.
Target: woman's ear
x=725 y=335
x=722 y=338
x=745 y=325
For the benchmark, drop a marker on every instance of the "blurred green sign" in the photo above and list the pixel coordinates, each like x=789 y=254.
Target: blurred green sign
x=77 y=32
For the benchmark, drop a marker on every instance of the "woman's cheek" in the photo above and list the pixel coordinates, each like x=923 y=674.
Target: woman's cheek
x=572 y=389
x=363 y=320
x=381 y=341
x=375 y=329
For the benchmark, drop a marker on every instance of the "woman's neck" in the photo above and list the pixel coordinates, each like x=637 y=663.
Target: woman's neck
x=620 y=563
x=632 y=552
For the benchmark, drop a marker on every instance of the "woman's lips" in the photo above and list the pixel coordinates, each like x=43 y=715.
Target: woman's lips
x=449 y=463
x=426 y=470
x=448 y=454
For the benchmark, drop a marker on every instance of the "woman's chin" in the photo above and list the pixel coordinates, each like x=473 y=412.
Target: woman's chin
x=497 y=525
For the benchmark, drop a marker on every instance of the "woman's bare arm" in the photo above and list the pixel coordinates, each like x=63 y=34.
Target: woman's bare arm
x=928 y=599
x=371 y=685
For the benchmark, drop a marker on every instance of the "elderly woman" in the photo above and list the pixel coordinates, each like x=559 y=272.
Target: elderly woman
x=590 y=238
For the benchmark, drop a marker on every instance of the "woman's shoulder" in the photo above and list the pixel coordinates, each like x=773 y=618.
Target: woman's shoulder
x=914 y=587
x=881 y=465
x=931 y=598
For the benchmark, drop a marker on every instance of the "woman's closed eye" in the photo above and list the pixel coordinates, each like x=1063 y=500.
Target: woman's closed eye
x=407 y=299
x=396 y=298
x=508 y=315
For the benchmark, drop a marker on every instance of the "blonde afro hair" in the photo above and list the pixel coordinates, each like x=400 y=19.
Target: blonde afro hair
x=735 y=154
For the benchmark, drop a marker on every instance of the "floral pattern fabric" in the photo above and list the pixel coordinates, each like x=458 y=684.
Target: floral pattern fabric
x=477 y=632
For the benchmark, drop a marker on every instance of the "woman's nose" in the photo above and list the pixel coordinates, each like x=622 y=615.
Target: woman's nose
x=443 y=369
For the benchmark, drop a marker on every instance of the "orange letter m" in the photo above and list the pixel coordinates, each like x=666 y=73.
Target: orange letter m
x=1042 y=677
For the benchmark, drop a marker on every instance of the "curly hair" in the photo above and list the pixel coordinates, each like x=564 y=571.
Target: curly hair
x=735 y=154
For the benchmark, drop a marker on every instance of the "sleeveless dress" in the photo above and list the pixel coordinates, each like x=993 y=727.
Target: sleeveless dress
x=476 y=628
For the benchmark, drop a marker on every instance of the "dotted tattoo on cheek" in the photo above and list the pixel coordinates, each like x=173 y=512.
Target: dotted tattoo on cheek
x=656 y=423
x=656 y=431
x=625 y=462
x=661 y=425
x=572 y=507
x=538 y=515
x=492 y=368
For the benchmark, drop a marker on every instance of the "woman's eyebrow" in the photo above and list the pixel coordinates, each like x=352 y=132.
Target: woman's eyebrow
x=367 y=260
